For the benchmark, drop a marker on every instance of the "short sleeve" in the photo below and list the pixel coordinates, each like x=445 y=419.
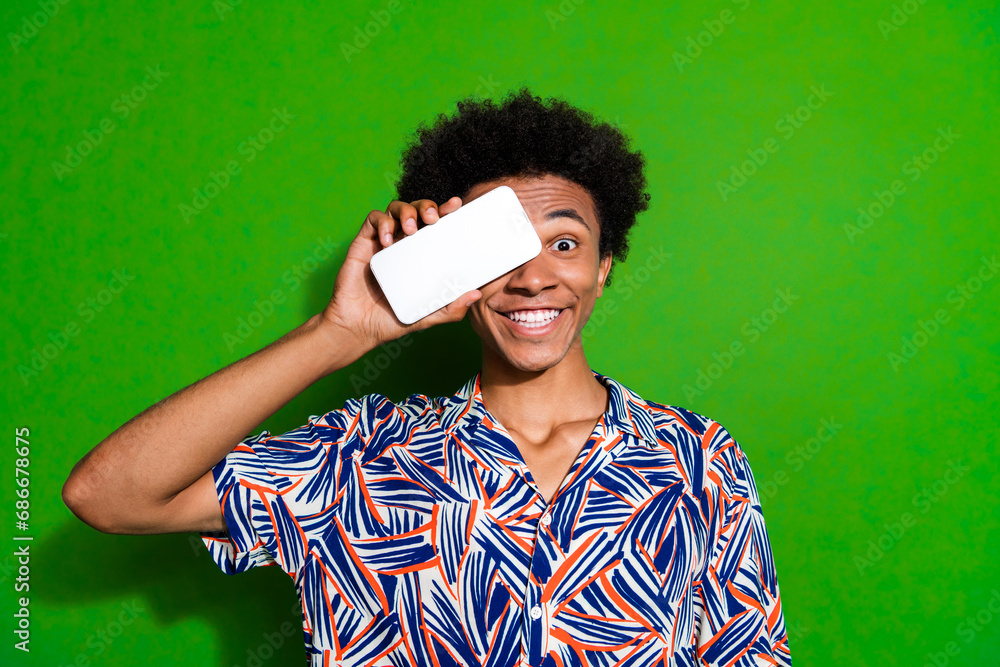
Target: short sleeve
x=740 y=621
x=278 y=492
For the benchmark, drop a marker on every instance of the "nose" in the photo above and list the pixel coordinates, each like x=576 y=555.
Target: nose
x=533 y=276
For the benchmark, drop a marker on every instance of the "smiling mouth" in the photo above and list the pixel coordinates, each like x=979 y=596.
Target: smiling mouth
x=533 y=319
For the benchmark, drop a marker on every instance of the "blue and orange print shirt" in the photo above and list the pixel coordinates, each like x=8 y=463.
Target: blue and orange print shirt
x=415 y=535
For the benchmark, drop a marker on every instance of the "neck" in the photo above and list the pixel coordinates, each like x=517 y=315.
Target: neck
x=530 y=401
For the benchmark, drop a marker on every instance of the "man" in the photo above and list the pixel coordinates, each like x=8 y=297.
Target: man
x=544 y=515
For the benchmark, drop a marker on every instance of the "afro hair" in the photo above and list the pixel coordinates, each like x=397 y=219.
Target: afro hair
x=524 y=136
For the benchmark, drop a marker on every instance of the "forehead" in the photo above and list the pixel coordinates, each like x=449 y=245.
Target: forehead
x=542 y=193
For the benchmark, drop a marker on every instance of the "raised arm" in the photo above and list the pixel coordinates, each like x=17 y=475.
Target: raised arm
x=154 y=473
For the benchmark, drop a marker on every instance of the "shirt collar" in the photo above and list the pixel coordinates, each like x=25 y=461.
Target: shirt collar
x=627 y=411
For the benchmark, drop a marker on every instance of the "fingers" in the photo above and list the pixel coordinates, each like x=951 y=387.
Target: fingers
x=379 y=225
x=431 y=212
x=450 y=206
x=405 y=213
x=408 y=215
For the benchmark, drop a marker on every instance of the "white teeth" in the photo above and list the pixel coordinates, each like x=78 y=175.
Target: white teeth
x=533 y=317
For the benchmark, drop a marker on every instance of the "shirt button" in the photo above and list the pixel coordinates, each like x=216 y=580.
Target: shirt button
x=536 y=612
x=546 y=519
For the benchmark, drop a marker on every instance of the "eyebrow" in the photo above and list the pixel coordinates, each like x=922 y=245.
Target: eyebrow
x=567 y=213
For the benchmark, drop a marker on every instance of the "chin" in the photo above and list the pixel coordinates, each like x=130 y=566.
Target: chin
x=534 y=361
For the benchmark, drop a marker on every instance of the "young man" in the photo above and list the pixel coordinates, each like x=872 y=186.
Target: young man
x=544 y=515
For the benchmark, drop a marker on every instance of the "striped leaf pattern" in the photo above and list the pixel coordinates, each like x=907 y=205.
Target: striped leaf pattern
x=416 y=536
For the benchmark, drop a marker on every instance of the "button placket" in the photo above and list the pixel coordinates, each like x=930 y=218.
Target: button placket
x=536 y=629
x=536 y=624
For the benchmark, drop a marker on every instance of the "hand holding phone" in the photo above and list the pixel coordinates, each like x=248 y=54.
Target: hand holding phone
x=461 y=251
x=358 y=305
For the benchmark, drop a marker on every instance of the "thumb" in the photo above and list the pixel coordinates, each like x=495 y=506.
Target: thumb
x=457 y=309
x=453 y=312
x=469 y=298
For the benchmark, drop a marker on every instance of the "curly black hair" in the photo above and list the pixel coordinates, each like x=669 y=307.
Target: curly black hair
x=523 y=137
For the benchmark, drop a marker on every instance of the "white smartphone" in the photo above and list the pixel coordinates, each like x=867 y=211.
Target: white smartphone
x=462 y=251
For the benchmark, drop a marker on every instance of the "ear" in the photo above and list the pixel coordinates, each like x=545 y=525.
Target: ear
x=603 y=269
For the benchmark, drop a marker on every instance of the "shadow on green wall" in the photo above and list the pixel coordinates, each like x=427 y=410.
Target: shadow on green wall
x=171 y=578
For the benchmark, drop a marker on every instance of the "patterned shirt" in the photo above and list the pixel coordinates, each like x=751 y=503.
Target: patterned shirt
x=415 y=535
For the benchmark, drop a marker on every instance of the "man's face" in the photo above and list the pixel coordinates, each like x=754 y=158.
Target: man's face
x=564 y=279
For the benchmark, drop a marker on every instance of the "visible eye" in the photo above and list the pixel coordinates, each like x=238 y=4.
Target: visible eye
x=560 y=244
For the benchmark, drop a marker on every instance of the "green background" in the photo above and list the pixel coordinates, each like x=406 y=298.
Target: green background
x=857 y=295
